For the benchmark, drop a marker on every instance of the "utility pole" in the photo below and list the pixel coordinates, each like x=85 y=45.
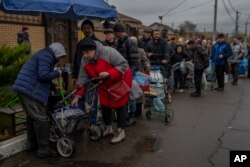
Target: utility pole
x=246 y=26
x=161 y=17
x=237 y=23
x=215 y=18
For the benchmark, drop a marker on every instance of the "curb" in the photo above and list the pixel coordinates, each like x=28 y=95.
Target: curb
x=13 y=146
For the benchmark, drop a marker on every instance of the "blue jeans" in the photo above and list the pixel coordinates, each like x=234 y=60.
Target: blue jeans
x=132 y=105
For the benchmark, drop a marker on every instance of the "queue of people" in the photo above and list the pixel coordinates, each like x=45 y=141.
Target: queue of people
x=118 y=58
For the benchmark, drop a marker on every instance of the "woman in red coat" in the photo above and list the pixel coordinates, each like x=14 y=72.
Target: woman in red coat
x=100 y=61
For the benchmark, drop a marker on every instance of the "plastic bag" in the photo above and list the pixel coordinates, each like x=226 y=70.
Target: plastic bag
x=67 y=112
x=225 y=78
x=183 y=67
x=136 y=91
x=158 y=105
x=156 y=76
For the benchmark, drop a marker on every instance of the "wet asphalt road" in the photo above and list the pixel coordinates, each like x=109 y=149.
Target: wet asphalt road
x=193 y=139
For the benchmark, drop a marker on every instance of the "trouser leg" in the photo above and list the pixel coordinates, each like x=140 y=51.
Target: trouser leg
x=107 y=115
x=121 y=117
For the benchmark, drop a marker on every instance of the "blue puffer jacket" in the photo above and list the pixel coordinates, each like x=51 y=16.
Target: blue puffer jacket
x=220 y=48
x=36 y=74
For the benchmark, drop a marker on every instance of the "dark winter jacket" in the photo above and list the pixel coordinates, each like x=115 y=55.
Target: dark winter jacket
x=129 y=51
x=23 y=37
x=143 y=43
x=178 y=57
x=110 y=44
x=220 y=48
x=160 y=48
x=36 y=74
x=78 y=58
x=198 y=55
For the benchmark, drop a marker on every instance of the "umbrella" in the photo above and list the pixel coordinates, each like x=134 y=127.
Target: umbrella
x=71 y=9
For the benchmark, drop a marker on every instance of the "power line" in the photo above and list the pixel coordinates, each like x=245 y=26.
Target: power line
x=184 y=10
x=237 y=10
x=232 y=6
x=171 y=10
x=227 y=10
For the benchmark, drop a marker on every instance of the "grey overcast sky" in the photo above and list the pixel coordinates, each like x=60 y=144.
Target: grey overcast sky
x=148 y=11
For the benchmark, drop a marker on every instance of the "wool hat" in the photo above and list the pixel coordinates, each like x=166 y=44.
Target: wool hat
x=89 y=22
x=108 y=30
x=221 y=36
x=58 y=49
x=87 y=44
x=119 y=27
x=24 y=27
x=190 y=42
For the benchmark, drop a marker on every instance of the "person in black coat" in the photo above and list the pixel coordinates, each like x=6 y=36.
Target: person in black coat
x=158 y=51
x=88 y=29
x=198 y=56
x=144 y=41
x=129 y=50
x=177 y=57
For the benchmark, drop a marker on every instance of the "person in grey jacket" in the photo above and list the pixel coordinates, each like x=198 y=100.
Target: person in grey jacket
x=237 y=54
x=33 y=86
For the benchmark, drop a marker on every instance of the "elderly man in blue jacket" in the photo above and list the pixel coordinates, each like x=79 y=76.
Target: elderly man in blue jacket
x=220 y=53
x=33 y=86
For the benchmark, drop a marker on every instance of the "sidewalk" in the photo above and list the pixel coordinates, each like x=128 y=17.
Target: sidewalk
x=237 y=136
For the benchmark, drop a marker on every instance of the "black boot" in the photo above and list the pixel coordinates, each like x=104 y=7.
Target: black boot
x=31 y=135
x=138 y=110
x=195 y=94
x=131 y=120
x=42 y=133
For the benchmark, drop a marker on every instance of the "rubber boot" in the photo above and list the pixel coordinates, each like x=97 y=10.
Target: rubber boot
x=131 y=120
x=42 y=129
x=31 y=136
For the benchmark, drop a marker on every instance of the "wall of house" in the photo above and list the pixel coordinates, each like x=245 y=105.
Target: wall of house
x=8 y=35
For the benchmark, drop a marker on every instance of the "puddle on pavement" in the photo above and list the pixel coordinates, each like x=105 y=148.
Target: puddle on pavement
x=147 y=144
x=88 y=164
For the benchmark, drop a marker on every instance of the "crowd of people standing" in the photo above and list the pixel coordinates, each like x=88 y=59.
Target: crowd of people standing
x=118 y=58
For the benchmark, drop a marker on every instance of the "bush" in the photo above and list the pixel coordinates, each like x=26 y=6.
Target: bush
x=8 y=98
x=11 y=60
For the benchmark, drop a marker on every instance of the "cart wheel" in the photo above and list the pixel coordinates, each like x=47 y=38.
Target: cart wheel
x=53 y=137
x=95 y=132
x=148 y=115
x=169 y=116
x=66 y=147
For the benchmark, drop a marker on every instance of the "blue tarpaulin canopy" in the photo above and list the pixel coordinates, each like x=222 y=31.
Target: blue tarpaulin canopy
x=71 y=9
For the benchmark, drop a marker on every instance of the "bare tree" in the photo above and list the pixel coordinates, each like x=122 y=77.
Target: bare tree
x=187 y=27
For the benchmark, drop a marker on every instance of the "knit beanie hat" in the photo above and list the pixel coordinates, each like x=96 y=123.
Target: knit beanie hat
x=89 y=22
x=58 y=49
x=87 y=44
x=119 y=27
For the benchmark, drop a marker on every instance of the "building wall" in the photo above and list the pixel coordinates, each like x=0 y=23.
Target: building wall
x=8 y=35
